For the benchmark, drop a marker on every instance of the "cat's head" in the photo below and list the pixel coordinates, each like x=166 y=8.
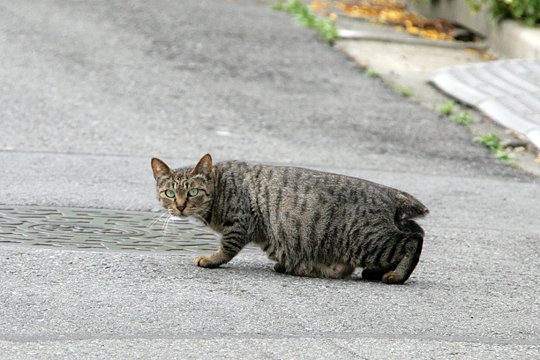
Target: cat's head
x=187 y=191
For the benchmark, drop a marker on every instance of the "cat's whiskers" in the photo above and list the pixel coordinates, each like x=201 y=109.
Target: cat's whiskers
x=157 y=219
x=166 y=222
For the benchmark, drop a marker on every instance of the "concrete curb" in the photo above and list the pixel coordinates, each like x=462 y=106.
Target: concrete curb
x=346 y=34
x=511 y=39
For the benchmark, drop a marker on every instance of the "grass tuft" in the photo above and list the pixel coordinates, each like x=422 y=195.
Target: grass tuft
x=404 y=91
x=493 y=142
x=324 y=26
x=463 y=118
x=490 y=140
x=372 y=73
x=505 y=156
x=447 y=108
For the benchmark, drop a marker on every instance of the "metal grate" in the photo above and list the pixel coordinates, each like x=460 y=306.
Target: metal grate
x=106 y=230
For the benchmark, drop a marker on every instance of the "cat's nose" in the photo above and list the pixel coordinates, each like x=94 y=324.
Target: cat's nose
x=181 y=206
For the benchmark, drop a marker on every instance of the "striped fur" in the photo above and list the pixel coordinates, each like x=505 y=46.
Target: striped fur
x=310 y=223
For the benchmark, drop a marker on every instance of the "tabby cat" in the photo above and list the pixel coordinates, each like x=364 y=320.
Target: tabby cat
x=310 y=223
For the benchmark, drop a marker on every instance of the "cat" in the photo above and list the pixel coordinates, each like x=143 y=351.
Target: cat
x=311 y=223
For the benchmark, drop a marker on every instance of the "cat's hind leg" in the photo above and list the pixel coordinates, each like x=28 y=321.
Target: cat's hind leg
x=280 y=268
x=405 y=267
x=373 y=275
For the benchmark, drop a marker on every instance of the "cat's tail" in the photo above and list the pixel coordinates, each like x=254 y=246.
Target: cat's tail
x=408 y=207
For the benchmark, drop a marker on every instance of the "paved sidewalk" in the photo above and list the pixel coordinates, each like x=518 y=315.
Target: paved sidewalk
x=92 y=90
x=507 y=91
x=502 y=91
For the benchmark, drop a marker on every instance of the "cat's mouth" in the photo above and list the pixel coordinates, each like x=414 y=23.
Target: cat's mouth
x=178 y=214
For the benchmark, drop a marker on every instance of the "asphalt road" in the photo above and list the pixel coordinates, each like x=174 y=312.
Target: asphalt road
x=90 y=91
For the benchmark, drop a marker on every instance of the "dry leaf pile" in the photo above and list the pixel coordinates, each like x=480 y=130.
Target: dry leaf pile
x=391 y=12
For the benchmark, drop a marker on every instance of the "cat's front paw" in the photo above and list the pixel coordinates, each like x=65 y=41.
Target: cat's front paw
x=205 y=262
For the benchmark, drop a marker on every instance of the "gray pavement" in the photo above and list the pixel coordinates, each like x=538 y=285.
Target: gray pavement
x=91 y=90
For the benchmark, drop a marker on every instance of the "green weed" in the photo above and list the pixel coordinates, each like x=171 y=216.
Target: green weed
x=404 y=91
x=505 y=156
x=526 y=10
x=324 y=26
x=447 y=108
x=372 y=73
x=463 y=118
x=493 y=142
x=490 y=140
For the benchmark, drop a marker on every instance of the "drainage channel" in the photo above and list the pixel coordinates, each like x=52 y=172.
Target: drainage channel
x=102 y=230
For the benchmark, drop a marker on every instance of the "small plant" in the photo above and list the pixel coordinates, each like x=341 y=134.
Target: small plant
x=404 y=91
x=490 y=140
x=505 y=156
x=447 y=108
x=463 y=118
x=526 y=10
x=372 y=73
x=493 y=142
x=325 y=27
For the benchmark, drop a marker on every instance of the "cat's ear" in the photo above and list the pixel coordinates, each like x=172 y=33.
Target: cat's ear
x=160 y=169
x=204 y=166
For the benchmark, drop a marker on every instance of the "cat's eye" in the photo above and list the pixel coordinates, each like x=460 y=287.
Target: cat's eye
x=193 y=192
x=169 y=193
